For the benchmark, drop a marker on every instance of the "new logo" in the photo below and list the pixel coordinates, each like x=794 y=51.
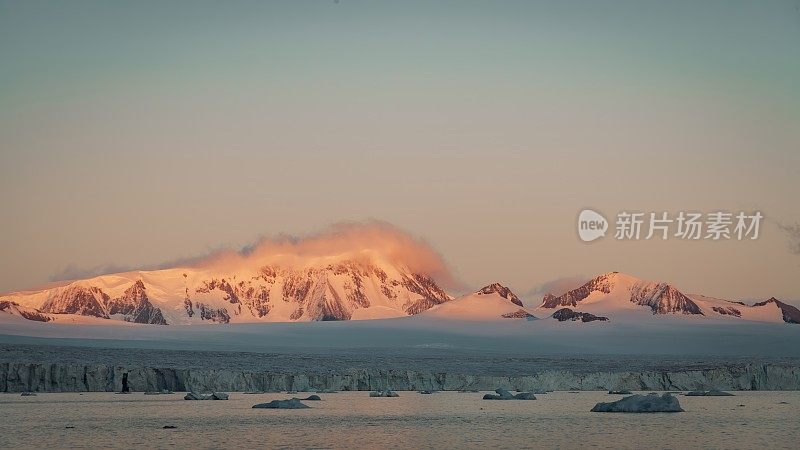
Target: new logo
x=591 y=225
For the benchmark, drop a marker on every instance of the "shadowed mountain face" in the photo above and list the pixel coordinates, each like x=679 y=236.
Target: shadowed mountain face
x=603 y=283
x=135 y=306
x=662 y=298
x=75 y=299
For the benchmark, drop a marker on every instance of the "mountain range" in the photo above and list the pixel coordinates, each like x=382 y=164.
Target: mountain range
x=318 y=289
x=347 y=288
x=621 y=295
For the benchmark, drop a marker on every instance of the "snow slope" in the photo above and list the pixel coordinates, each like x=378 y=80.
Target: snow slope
x=493 y=302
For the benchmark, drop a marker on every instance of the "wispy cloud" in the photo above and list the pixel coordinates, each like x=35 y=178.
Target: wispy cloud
x=558 y=286
x=74 y=272
x=349 y=240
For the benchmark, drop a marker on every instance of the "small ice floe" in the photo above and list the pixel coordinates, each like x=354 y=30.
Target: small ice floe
x=641 y=404
x=386 y=393
x=503 y=394
x=711 y=393
x=211 y=396
x=292 y=403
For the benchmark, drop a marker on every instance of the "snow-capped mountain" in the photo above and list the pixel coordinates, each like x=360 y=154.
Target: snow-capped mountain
x=82 y=299
x=492 y=302
x=620 y=295
x=789 y=313
x=662 y=298
x=502 y=291
x=318 y=289
x=771 y=310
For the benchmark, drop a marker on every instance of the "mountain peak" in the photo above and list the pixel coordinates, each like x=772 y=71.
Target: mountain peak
x=662 y=298
x=602 y=283
x=502 y=291
x=789 y=312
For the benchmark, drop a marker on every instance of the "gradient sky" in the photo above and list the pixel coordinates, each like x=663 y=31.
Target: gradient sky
x=133 y=133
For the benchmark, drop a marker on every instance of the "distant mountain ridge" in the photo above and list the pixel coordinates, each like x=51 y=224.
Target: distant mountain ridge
x=344 y=288
x=615 y=292
x=662 y=298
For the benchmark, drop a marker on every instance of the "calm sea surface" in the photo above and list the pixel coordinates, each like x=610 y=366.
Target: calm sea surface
x=354 y=420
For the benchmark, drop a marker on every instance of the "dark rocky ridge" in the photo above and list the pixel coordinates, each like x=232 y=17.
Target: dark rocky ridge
x=727 y=311
x=519 y=314
x=565 y=314
x=135 y=306
x=663 y=298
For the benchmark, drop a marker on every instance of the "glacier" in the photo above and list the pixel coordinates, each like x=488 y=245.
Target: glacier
x=83 y=369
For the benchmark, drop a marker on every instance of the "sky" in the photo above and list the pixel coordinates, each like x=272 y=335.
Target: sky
x=135 y=133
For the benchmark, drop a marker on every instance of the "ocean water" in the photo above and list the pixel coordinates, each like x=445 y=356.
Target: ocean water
x=413 y=420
